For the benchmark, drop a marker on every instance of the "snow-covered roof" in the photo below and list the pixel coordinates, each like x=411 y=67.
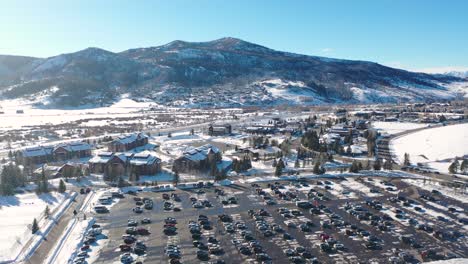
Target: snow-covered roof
x=102 y=157
x=127 y=139
x=200 y=153
x=37 y=151
x=144 y=158
x=75 y=146
x=268 y=150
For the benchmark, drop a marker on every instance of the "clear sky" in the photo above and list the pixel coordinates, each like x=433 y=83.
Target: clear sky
x=411 y=34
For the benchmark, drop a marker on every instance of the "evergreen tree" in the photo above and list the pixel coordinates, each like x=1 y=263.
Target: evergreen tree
x=316 y=169
x=176 y=178
x=47 y=212
x=371 y=142
x=278 y=169
x=464 y=166
x=406 y=160
x=121 y=182
x=349 y=150
x=368 y=166
x=34 y=227
x=44 y=182
x=62 y=188
x=378 y=164
x=388 y=165
x=354 y=167
x=453 y=168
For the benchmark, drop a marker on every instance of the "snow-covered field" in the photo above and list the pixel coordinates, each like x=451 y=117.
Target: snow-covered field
x=17 y=214
x=392 y=128
x=33 y=116
x=435 y=147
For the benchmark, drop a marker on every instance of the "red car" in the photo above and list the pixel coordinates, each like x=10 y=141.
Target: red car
x=143 y=231
x=85 y=247
x=324 y=236
x=125 y=248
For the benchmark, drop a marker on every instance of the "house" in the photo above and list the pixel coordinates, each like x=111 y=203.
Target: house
x=267 y=152
x=61 y=152
x=219 y=130
x=98 y=163
x=145 y=164
x=71 y=150
x=197 y=159
x=343 y=130
x=36 y=155
x=128 y=142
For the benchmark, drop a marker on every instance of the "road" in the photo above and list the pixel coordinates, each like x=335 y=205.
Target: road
x=41 y=253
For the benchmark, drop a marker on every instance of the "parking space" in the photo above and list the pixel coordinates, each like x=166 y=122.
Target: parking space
x=291 y=222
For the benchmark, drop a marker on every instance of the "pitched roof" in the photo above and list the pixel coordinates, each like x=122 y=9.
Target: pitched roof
x=74 y=146
x=127 y=139
x=144 y=158
x=200 y=153
x=37 y=151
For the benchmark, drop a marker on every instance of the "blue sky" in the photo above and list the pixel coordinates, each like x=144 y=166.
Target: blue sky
x=411 y=34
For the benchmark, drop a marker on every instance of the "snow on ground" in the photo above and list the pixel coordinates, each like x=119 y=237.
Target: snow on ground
x=24 y=207
x=40 y=116
x=435 y=147
x=70 y=241
x=450 y=261
x=460 y=195
x=354 y=185
x=72 y=238
x=396 y=127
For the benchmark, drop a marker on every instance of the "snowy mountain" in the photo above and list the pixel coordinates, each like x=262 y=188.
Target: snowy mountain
x=224 y=72
x=460 y=74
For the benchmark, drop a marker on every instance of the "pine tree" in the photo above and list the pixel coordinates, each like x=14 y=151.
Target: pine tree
x=34 y=227
x=464 y=166
x=378 y=164
x=275 y=163
x=316 y=169
x=47 y=212
x=278 y=169
x=406 y=160
x=453 y=168
x=62 y=188
x=176 y=178
x=349 y=150
x=121 y=182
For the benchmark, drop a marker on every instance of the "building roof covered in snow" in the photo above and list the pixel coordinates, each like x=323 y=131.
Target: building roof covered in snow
x=37 y=151
x=127 y=139
x=144 y=158
x=74 y=146
x=200 y=153
x=102 y=157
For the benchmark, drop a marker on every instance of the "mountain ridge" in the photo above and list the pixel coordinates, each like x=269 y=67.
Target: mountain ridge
x=227 y=72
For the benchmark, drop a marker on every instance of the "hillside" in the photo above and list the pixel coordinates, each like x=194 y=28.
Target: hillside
x=227 y=72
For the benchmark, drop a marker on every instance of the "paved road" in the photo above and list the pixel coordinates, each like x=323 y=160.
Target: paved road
x=40 y=255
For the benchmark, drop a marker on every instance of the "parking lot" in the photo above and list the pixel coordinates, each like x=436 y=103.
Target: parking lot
x=342 y=221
